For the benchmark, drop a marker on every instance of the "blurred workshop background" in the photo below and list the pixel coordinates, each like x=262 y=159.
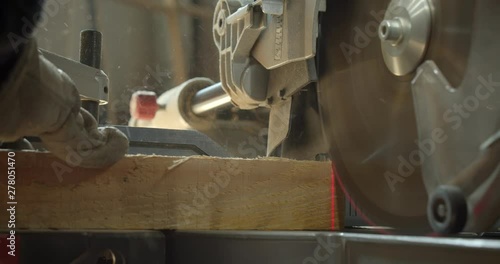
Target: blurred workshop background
x=153 y=43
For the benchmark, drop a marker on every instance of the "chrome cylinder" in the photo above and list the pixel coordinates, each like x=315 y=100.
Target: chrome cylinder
x=210 y=99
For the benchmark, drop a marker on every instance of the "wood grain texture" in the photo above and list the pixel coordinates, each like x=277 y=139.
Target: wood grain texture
x=146 y=192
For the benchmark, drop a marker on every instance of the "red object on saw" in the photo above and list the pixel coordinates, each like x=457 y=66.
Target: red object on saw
x=143 y=105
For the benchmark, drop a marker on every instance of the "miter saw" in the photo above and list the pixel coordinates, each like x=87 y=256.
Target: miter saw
x=401 y=95
x=402 y=91
x=406 y=94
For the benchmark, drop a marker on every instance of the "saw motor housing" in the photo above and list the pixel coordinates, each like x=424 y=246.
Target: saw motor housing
x=268 y=52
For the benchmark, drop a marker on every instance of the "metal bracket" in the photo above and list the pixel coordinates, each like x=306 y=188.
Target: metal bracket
x=258 y=40
x=92 y=83
x=460 y=162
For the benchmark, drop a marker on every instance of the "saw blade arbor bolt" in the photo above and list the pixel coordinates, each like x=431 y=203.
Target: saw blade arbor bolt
x=404 y=35
x=391 y=30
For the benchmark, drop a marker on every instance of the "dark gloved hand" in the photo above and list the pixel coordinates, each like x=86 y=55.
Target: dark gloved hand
x=38 y=99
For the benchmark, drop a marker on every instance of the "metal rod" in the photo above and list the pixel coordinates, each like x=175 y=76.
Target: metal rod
x=90 y=48
x=209 y=99
x=92 y=107
x=90 y=55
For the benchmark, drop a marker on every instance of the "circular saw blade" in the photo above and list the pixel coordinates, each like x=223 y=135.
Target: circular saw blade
x=368 y=113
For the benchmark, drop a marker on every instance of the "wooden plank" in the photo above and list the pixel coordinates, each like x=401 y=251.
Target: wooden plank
x=148 y=192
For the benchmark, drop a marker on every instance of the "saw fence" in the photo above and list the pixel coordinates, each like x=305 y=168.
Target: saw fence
x=158 y=192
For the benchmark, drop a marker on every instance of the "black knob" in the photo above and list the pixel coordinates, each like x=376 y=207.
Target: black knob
x=447 y=210
x=90 y=48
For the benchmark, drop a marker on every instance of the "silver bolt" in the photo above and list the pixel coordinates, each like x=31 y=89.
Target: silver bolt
x=391 y=30
x=441 y=210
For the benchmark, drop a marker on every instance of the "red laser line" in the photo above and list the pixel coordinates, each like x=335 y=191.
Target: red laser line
x=353 y=204
x=351 y=201
x=333 y=198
